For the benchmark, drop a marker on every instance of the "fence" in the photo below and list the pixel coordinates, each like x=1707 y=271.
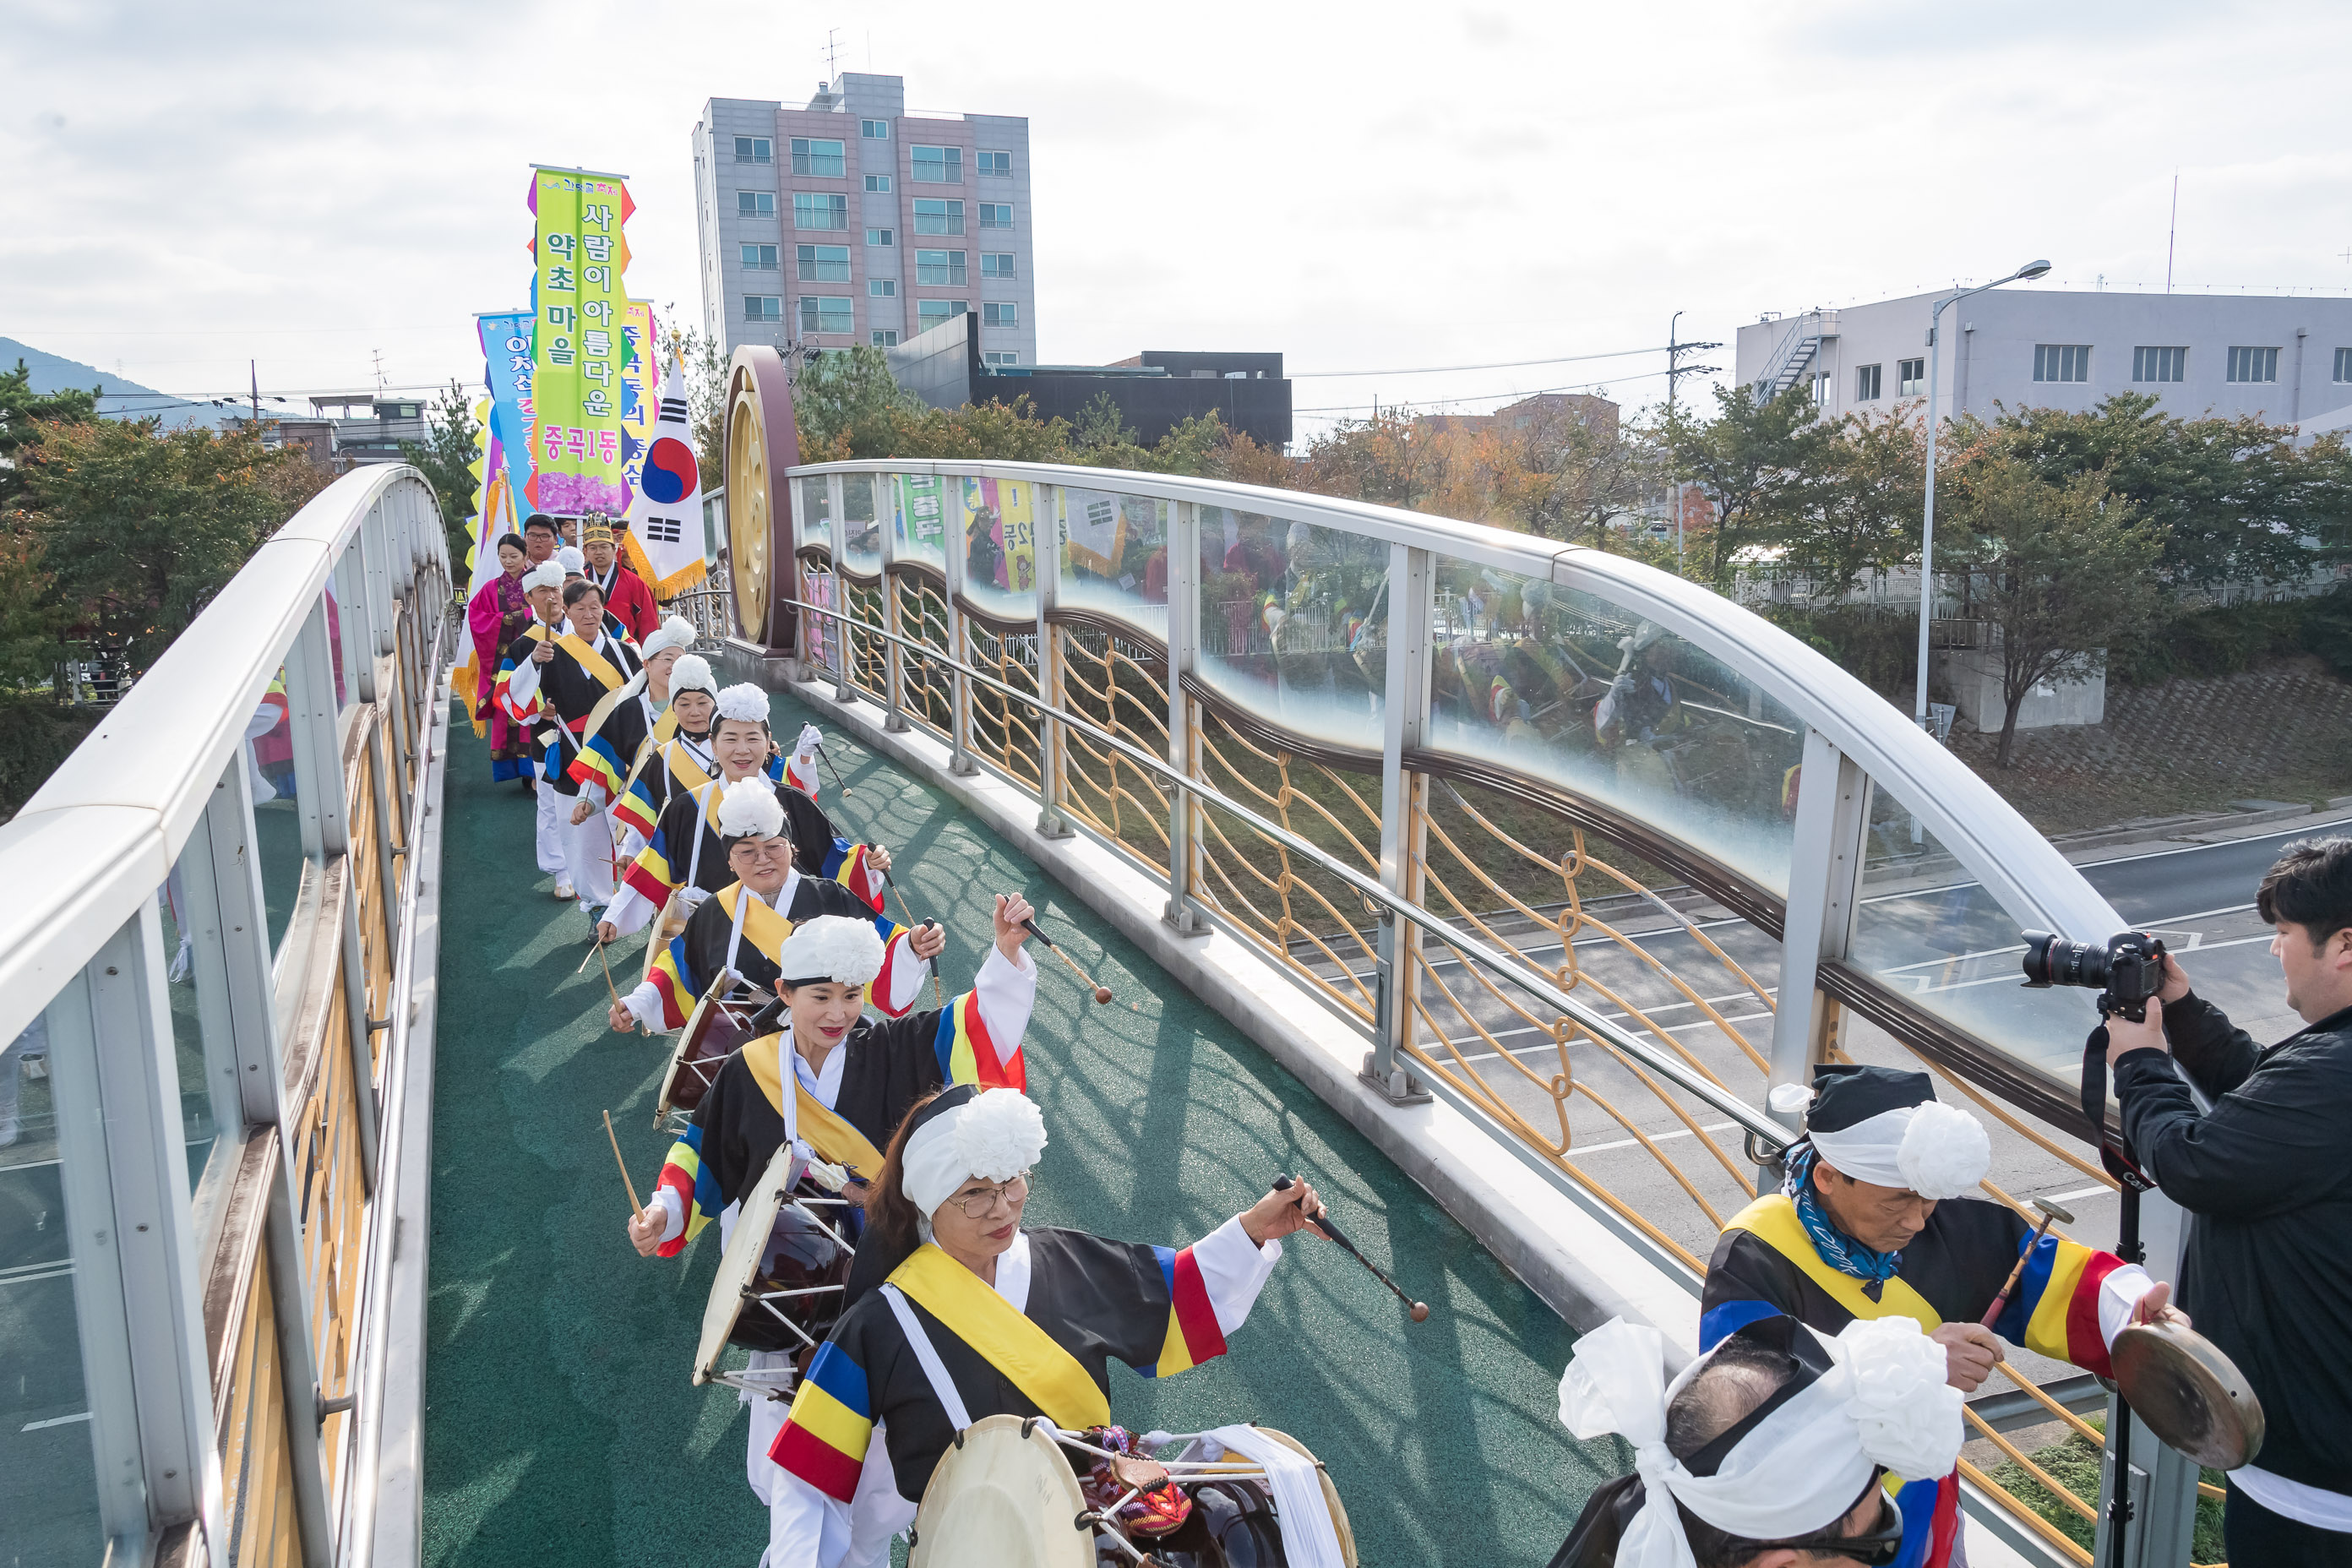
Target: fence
x=1572 y=845
x=211 y=944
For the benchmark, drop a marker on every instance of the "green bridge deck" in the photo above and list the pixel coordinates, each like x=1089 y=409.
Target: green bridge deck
x=559 y=1422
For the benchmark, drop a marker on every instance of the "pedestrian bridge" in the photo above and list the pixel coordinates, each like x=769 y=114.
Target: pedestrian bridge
x=310 y=1242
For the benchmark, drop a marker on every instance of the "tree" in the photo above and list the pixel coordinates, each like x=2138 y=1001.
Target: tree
x=1560 y=477
x=452 y=442
x=706 y=402
x=846 y=402
x=1759 y=462
x=1864 y=514
x=23 y=411
x=139 y=526
x=2060 y=569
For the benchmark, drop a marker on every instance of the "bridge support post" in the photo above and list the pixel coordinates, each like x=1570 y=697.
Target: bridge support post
x=1825 y=857
x=844 y=684
x=1050 y=740
x=894 y=657
x=959 y=758
x=1405 y=721
x=1182 y=915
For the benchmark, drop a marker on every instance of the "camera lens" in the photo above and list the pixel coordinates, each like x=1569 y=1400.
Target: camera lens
x=2051 y=961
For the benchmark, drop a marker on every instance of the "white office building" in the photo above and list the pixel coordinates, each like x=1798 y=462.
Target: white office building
x=2285 y=359
x=849 y=220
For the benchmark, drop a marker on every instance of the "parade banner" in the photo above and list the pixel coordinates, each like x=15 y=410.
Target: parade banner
x=668 y=517
x=506 y=370
x=640 y=373
x=480 y=554
x=922 y=519
x=578 y=348
x=1000 y=534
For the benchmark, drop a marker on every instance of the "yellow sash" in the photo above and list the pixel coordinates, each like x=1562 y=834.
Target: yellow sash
x=589 y=659
x=764 y=927
x=1772 y=1220
x=821 y=1130
x=686 y=770
x=664 y=728
x=1033 y=1362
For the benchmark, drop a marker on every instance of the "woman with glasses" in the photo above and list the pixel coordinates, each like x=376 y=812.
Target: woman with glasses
x=965 y=1313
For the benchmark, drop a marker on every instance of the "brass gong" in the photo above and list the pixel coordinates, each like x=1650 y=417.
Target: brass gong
x=762 y=444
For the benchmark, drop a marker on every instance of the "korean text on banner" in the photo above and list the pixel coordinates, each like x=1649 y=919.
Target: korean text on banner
x=580 y=255
x=506 y=360
x=1000 y=535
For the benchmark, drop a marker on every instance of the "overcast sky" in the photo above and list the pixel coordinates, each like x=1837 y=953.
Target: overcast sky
x=1360 y=187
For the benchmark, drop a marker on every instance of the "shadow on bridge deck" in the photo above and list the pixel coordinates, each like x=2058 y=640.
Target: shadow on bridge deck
x=560 y=1421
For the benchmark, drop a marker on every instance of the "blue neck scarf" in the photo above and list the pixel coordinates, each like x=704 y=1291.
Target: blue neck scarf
x=1839 y=1250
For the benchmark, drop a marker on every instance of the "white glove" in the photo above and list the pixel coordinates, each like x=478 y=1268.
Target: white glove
x=692 y=898
x=810 y=738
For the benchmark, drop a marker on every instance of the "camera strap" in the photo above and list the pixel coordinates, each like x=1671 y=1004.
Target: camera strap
x=2115 y=1153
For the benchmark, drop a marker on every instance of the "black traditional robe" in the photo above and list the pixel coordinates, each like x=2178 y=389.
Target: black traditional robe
x=712 y=946
x=685 y=850
x=566 y=692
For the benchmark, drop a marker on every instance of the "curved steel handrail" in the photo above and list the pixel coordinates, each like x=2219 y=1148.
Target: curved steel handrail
x=1510 y=967
x=1983 y=832
x=102 y=834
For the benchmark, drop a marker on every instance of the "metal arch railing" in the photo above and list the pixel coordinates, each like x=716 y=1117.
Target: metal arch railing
x=1099 y=756
x=231 y=1321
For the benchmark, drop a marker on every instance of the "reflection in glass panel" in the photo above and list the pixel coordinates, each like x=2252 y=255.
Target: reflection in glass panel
x=48 y=1473
x=276 y=820
x=823 y=633
x=346 y=629
x=1572 y=688
x=817 y=511
x=1000 y=545
x=1294 y=623
x=861 y=528
x=1930 y=932
x=921 y=508
x=209 y=1106
x=1115 y=557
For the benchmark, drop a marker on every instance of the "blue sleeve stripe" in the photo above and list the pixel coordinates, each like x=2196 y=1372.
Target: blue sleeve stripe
x=2011 y=1325
x=1730 y=1319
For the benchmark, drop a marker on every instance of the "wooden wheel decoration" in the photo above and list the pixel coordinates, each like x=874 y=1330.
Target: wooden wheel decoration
x=762 y=443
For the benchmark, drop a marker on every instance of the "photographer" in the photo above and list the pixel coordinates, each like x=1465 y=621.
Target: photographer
x=2268 y=1273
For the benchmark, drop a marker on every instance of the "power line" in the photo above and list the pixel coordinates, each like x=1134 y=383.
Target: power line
x=1480 y=397
x=1502 y=364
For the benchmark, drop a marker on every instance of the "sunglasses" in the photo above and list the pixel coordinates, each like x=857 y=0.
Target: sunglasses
x=1877 y=1548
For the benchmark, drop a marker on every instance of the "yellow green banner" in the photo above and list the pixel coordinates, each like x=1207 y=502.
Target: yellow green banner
x=579 y=347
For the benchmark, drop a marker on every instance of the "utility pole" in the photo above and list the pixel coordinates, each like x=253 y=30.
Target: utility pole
x=1675 y=371
x=254 y=368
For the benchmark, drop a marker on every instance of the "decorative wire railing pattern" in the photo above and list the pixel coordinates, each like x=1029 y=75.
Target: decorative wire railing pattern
x=1512 y=949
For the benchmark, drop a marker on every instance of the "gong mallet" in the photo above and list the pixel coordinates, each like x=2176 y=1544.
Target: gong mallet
x=824 y=757
x=636 y=1208
x=1102 y=991
x=938 y=996
x=2050 y=1211
x=1418 y=1309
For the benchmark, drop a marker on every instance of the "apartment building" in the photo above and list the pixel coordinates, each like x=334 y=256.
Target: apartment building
x=850 y=220
x=2287 y=359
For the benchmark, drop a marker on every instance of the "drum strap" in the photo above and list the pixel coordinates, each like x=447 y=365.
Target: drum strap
x=943 y=1388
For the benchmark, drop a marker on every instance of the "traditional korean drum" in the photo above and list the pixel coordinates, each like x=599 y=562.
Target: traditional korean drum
x=718 y=1026
x=779 y=1285
x=1015 y=1493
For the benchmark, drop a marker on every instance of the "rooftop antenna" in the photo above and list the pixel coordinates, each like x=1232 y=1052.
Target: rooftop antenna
x=378 y=355
x=832 y=55
x=2172 y=232
x=252 y=367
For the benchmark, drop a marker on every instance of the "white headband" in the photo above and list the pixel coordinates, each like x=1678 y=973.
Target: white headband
x=749 y=809
x=692 y=673
x=831 y=947
x=1884 y=1402
x=1934 y=1149
x=674 y=632
x=743 y=700
x=996 y=1134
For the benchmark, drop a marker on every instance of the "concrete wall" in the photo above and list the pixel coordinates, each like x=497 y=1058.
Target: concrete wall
x=1988 y=342
x=1972 y=676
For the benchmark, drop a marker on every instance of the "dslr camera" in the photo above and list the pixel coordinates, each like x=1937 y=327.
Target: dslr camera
x=2125 y=972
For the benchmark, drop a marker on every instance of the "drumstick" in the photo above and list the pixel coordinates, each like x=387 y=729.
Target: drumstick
x=1102 y=991
x=1322 y=1222
x=827 y=760
x=609 y=988
x=2050 y=1211
x=636 y=1208
x=938 y=996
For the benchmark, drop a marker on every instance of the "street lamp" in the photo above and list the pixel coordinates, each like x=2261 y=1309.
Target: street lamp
x=1928 y=528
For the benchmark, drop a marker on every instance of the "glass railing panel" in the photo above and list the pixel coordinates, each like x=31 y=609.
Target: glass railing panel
x=210 y=1114
x=277 y=818
x=815 y=511
x=1000 y=527
x=1929 y=931
x=920 y=503
x=1115 y=558
x=861 y=523
x=1573 y=689
x=48 y=1485
x=1294 y=623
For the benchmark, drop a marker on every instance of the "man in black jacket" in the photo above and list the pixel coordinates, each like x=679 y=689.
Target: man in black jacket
x=2269 y=1272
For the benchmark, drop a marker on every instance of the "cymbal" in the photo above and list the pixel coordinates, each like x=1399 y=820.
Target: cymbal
x=2189 y=1393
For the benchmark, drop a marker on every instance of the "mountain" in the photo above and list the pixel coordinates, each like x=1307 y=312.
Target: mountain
x=124 y=398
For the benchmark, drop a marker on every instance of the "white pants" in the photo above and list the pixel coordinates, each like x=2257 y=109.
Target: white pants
x=587 y=854
x=552 y=808
x=876 y=1513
